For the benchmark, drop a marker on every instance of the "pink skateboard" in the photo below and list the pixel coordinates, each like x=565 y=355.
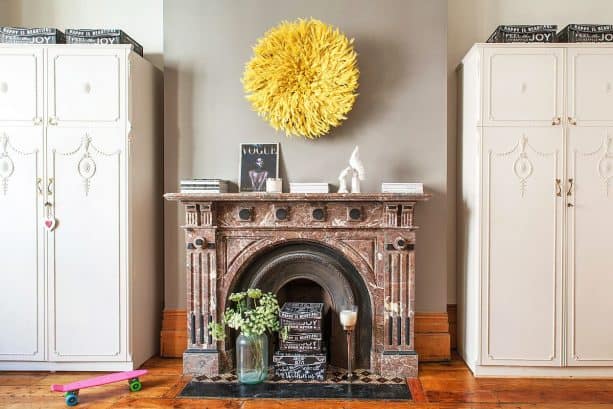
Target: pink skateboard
x=72 y=389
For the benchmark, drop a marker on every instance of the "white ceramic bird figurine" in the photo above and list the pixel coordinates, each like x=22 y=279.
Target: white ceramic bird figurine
x=359 y=173
x=356 y=170
x=342 y=180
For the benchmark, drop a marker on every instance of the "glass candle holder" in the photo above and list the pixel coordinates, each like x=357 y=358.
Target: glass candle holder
x=348 y=316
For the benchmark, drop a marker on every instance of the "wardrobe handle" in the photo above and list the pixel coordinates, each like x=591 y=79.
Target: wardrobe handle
x=39 y=187
x=37 y=121
x=558 y=187
x=572 y=120
x=570 y=187
x=49 y=185
x=556 y=121
x=52 y=120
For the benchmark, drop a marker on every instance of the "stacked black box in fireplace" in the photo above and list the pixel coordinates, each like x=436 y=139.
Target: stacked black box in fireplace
x=302 y=355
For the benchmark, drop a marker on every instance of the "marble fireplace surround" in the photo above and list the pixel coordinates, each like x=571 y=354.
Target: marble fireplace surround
x=225 y=234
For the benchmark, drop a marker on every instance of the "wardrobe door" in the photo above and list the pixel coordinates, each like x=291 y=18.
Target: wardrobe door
x=590 y=251
x=522 y=213
x=22 y=281
x=21 y=91
x=590 y=86
x=86 y=251
x=523 y=86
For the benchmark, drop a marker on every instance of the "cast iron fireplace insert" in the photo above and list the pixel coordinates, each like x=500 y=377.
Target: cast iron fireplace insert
x=310 y=272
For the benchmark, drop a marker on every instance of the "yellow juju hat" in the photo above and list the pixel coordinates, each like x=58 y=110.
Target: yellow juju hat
x=303 y=77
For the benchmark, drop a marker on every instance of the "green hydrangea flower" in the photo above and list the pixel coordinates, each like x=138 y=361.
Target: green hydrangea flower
x=254 y=293
x=253 y=313
x=236 y=297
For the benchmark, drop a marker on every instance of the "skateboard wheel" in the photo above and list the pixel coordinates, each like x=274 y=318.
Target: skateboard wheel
x=71 y=399
x=135 y=385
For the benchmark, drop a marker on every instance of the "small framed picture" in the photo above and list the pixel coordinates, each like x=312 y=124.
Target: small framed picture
x=258 y=162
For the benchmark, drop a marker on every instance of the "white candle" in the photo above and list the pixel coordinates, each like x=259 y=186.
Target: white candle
x=349 y=318
x=274 y=185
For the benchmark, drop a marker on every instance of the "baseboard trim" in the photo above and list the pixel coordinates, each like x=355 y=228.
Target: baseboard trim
x=432 y=336
x=452 y=313
x=173 y=337
x=432 y=339
x=67 y=366
x=542 y=372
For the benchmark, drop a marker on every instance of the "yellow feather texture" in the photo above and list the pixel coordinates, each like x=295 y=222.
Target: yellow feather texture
x=302 y=78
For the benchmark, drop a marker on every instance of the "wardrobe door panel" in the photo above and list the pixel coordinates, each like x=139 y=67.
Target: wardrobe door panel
x=589 y=247
x=86 y=86
x=522 y=237
x=590 y=86
x=87 y=248
x=21 y=253
x=21 y=86
x=523 y=86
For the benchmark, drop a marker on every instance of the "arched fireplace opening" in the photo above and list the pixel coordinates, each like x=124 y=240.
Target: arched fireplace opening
x=311 y=272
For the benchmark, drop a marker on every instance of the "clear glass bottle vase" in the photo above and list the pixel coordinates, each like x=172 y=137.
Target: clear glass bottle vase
x=251 y=358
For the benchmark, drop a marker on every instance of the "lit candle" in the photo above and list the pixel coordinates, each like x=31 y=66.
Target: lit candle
x=349 y=318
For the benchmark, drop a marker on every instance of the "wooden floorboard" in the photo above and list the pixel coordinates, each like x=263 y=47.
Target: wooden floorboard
x=448 y=385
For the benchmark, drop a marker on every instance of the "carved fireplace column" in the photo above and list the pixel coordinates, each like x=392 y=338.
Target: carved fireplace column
x=374 y=233
x=399 y=357
x=201 y=264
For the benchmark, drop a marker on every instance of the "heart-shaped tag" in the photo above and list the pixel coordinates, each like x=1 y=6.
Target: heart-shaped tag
x=49 y=224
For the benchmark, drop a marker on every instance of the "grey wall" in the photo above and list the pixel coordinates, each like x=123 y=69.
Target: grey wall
x=399 y=119
x=5 y=12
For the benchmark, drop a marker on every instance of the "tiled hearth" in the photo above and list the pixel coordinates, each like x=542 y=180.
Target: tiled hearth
x=333 y=376
x=356 y=247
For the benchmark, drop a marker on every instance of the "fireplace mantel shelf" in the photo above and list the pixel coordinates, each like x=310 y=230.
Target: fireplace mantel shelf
x=297 y=197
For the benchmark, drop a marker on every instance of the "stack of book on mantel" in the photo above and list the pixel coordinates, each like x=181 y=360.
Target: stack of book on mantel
x=301 y=355
x=412 y=188
x=309 y=187
x=204 y=186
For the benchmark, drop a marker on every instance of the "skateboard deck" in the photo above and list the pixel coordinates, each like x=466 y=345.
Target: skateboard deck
x=99 y=380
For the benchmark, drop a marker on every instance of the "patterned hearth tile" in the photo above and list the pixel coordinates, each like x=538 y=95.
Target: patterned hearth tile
x=334 y=375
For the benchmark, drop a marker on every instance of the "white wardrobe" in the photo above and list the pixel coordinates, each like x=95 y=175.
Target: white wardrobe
x=80 y=208
x=535 y=210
